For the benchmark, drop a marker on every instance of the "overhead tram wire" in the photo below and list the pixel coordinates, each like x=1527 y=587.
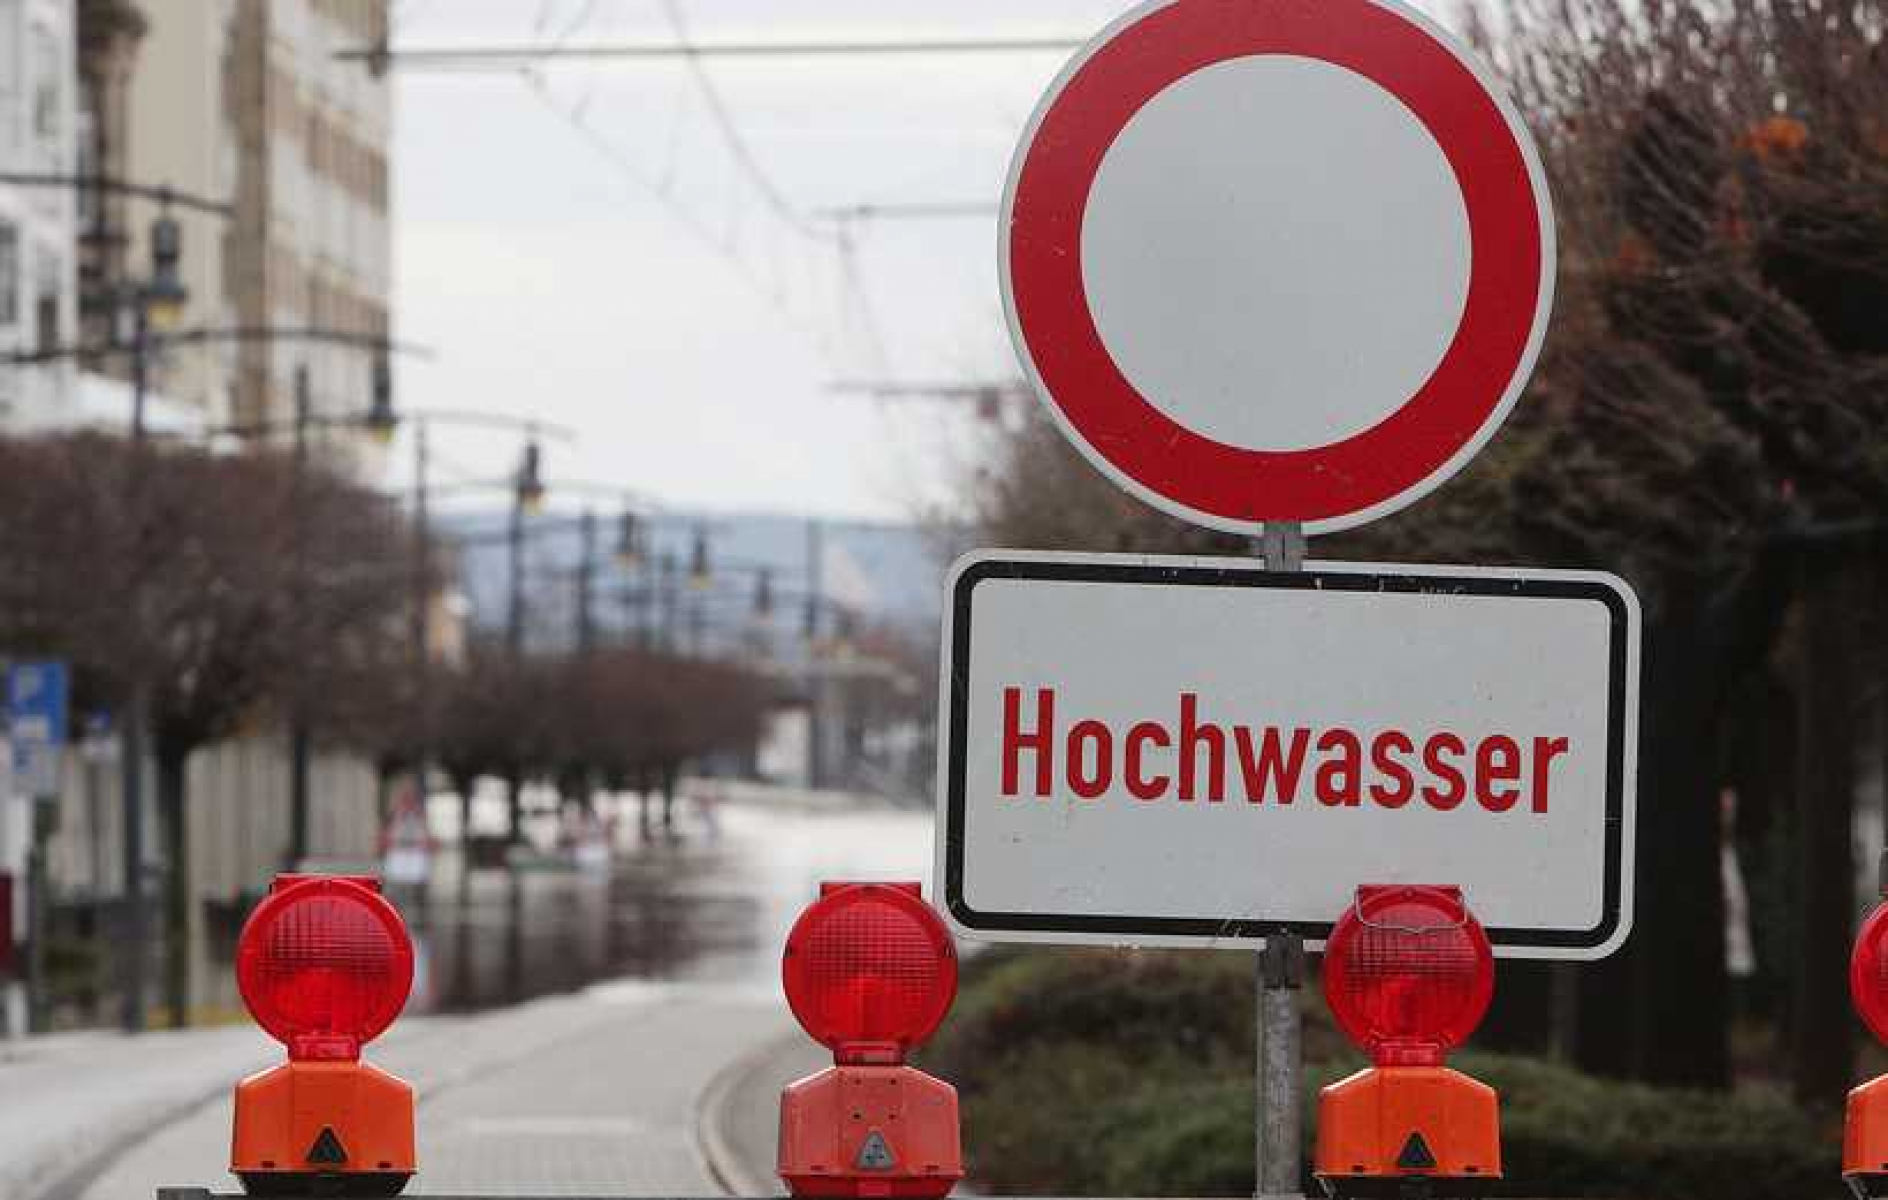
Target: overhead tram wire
x=663 y=192
x=489 y=59
x=772 y=285
x=945 y=211
x=527 y=61
x=737 y=144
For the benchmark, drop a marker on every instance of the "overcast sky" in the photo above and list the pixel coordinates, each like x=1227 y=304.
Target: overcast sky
x=587 y=246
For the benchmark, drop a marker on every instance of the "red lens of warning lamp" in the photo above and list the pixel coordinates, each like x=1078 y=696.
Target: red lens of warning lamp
x=870 y=971
x=1865 y=1130
x=1868 y=973
x=324 y=965
x=1409 y=974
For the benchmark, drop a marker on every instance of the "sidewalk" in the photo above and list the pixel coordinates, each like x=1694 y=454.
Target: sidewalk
x=69 y=1092
x=590 y=1094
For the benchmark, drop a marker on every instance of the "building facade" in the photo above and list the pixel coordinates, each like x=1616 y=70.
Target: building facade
x=38 y=224
x=246 y=101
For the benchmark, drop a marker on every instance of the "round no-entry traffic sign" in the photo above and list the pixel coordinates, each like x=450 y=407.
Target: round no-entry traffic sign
x=1277 y=260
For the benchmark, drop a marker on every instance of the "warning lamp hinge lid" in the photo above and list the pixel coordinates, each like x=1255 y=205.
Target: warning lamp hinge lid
x=289 y=879
x=827 y=888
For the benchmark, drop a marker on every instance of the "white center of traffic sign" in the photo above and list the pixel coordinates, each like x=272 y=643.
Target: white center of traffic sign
x=1277 y=260
x=1348 y=233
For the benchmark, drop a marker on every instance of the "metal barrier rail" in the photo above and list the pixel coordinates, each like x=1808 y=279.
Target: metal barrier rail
x=200 y=1193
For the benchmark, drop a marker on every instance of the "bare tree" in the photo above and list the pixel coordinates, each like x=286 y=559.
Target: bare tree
x=210 y=581
x=619 y=715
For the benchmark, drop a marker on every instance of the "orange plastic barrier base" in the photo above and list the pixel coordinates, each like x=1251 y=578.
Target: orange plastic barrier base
x=1865 y=1140
x=857 y=1132
x=323 y=1128
x=1385 y=1129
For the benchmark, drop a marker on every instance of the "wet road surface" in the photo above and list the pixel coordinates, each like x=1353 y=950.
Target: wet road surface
x=708 y=901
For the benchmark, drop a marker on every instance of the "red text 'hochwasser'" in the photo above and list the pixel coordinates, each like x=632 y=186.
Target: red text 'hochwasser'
x=1194 y=759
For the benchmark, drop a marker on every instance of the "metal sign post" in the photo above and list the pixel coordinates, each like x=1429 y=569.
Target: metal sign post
x=1279 y=1139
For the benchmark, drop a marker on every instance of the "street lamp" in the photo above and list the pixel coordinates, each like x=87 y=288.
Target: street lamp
x=382 y=420
x=155 y=302
x=531 y=479
x=527 y=500
x=160 y=298
x=164 y=295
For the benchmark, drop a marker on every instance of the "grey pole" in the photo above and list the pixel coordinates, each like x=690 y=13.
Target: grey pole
x=648 y=603
x=131 y=732
x=514 y=608
x=514 y=648
x=298 y=737
x=586 y=575
x=815 y=584
x=422 y=616
x=140 y=367
x=1280 y=978
x=667 y=606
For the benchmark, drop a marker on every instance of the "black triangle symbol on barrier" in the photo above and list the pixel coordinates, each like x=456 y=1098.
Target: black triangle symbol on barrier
x=327 y=1150
x=1416 y=1154
x=875 y=1154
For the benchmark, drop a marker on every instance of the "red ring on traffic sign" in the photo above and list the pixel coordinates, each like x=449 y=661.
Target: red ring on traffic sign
x=1345 y=483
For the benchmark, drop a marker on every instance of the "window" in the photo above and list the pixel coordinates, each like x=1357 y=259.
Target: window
x=9 y=274
x=46 y=296
x=46 y=314
x=11 y=85
x=86 y=164
x=48 y=95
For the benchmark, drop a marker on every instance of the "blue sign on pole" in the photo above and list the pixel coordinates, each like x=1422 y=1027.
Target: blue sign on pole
x=37 y=697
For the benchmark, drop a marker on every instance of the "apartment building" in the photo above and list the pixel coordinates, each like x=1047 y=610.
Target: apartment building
x=38 y=224
x=245 y=100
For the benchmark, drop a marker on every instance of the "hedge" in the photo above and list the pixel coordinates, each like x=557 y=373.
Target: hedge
x=1123 y=1073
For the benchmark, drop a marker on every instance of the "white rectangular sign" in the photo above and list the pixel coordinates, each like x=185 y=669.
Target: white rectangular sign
x=1185 y=752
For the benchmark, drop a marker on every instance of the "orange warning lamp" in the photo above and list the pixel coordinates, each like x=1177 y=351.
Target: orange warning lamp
x=1408 y=973
x=1865 y=1133
x=870 y=972
x=325 y=965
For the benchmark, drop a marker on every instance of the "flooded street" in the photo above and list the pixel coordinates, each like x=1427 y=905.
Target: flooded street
x=710 y=900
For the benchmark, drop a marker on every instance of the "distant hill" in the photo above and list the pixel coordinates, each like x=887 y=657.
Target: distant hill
x=875 y=574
